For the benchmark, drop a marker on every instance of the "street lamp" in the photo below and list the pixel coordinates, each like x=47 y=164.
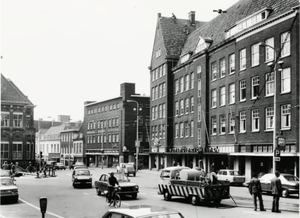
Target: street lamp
x=137 y=143
x=273 y=69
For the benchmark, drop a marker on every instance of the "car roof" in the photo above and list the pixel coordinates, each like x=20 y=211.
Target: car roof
x=175 y=168
x=143 y=210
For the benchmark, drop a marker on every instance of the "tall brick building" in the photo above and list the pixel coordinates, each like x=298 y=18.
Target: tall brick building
x=17 y=126
x=220 y=88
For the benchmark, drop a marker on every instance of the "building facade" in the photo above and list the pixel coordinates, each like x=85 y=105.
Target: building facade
x=234 y=82
x=110 y=129
x=17 y=127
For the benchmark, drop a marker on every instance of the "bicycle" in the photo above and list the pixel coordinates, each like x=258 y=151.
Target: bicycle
x=116 y=199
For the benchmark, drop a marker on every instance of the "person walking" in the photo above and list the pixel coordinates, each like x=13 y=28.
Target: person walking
x=5 y=166
x=255 y=191
x=276 y=189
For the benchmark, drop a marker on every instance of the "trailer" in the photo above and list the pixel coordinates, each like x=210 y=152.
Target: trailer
x=189 y=183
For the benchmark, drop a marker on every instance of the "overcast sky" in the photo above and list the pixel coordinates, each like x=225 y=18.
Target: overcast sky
x=61 y=53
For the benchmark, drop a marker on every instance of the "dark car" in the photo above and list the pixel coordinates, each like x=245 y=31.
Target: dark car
x=143 y=211
x=82 y=177
x=127 y=187
x=59 y=166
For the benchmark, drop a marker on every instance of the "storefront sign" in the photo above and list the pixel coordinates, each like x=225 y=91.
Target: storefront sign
x=184 y=150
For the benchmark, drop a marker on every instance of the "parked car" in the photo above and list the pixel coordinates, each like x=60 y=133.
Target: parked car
x=290 y=183
x=232 y=176
x=82 y=177
x=127 y=187
x=127 y=168
x=9 y=190
x=141 y=211
x=78 y=165
x=60 y=166
x=4 y=173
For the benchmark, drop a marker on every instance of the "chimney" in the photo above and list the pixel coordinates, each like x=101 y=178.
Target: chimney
x=192 y=18
x=159 y=15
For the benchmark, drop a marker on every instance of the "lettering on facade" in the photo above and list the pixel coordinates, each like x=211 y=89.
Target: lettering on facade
x=184 y=150
x=211 y=149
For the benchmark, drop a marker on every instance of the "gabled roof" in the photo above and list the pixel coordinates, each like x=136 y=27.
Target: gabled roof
x=56 y=129
x=11 y=93
x=215 y=29
x=175 y=32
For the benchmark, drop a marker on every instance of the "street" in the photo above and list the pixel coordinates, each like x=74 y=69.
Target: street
x=66 y=202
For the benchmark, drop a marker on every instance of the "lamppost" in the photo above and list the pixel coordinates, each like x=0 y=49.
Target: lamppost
x=273 y=66
x=137 y=143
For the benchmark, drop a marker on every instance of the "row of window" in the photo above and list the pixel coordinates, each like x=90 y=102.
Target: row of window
x=158 y=91
x=158 y=72
x=17 y=150
x=100 y=124
x=16 y=122
x=184 y=83
x=184 y=129
x=285 y=121
x=158 y=111
x=158 y=131
x=77 y=148
x=269 y=87
x=110 y=138
x=184 y=106
x=285 y=44
x=103 y=108
x=50 y=148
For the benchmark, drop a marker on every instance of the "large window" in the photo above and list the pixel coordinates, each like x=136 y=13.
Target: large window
x=255 y=55
x=176 y=130
x=285 y=44
x=163 y=89
x=192 y=104
x=176 y=86
x=231 y=63
x=243 y=90
x=4 y=150
x=214 y=125
x=269 y=51
x=181 y=107
x=222 y=96
x=163 y=110
x=17 y=119
x=243 y=121
x=192 y=80
x=286 y=80
x=231 y=123
x=286 y=116
x=192 y=128
x=17 y=150
x=213 y=98
x=231 y=93
x=269 y=118
x=255 y=120
x=187 y=129
x=187 y=104
x=243 y=59
x=255 y=87
x=176 y=108
x=4 y=119
x=222 y=124
x=214 y=71
x=181 y=130
x=187 y=82
x=222 y=67
x=181 y=84
x=270 y=84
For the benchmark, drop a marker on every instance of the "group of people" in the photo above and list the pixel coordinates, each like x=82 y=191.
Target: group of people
x=256 y=190
x=11 y=167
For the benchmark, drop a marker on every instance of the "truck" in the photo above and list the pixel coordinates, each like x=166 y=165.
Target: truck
x=189 y=183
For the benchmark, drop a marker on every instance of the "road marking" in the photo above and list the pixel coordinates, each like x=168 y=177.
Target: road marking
x=39 y=208
x=85 y=193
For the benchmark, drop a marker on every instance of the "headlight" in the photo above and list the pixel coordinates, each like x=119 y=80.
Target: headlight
x=136 y=187
x=90 y=179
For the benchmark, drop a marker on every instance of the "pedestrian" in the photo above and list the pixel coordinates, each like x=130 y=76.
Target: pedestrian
x=255 y=191
x=5 y=166
x=12 y=168
x=276 y=189
x=174 y=163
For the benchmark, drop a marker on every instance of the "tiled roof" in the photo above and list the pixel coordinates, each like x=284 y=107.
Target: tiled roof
x=56 y=129
x=174 y=34
x=215 y=29
x=11 y=93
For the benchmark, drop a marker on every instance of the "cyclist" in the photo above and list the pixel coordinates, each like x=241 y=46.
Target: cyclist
x=112 y=181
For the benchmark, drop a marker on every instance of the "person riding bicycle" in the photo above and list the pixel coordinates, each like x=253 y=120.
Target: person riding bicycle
x=112 y=181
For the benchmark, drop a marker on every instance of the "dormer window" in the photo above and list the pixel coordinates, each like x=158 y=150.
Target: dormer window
x=157 y=53
x=185 y=58
x=202 y=44
x=248 y=22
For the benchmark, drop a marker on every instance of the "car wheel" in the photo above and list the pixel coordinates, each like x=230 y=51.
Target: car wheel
x=98 y=192
x=167 y=196
x=134 y=174
x=134 y=196
x=127 y=174
x=285 y=193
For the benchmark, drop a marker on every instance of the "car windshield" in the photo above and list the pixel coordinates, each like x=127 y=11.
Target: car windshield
x=165 y=174
x=291 y=178
x=82 y=173
x=6 y=182
x=234 y=173
x=121 y=177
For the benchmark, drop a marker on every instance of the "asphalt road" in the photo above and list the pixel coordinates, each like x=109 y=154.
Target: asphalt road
x=64 y=201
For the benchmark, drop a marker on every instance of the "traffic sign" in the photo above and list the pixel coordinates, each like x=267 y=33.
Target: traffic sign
x=277 y=158
x=281 y=142
x=276 y=153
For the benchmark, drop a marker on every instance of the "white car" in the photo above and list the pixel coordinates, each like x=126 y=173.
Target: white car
x=232 y=176
x=9 y=190
x=143 y=211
